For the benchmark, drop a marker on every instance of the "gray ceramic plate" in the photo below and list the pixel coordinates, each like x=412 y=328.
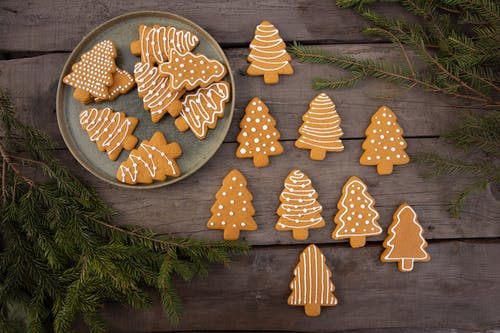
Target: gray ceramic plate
x=122 y=30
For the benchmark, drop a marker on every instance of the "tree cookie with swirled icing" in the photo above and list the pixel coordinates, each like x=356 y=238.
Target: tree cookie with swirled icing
x=202 y=108
x=111 y=131
x=268 y=56
x=153 y=160
x=155 y=43
x=299 y=210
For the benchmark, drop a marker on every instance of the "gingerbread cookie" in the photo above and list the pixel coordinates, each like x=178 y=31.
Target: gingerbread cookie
x=123 y=82
x=156 y=93
x=111 y=131
x=299 y=210
x=357 y=217
x=93 y=74
x=384 y=145
x=258 y=137
x=200 y=110
x=405 y=242
x=233 y=209
x=153 y=160
x=189 y=71
x=155 y=43
x=312 y=286
x=321 y=130
x=268 y=56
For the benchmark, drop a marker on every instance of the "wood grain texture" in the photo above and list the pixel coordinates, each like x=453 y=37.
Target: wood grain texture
x=420 y=113
x=184 y=208
x=58 y=25
x=459 y=288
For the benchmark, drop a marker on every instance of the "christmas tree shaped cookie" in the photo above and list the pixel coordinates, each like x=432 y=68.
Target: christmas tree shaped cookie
x=405 y=242
x=155 y=43
x=312 y=286
x=156 y=93
x=93 y=74
x=321 y=130
x=233 y=210
x=200 y=110
x=123 y=82
x=189 y=71
x=357 y=217
x=268 y=56
x=258 y=137
x=111 y=131
x=299 y=210
x=384 y=145
x=153 y=160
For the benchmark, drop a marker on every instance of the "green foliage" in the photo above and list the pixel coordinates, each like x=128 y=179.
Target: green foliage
x=61 y=257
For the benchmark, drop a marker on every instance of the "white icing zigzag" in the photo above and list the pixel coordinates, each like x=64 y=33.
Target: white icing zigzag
x=162 y=40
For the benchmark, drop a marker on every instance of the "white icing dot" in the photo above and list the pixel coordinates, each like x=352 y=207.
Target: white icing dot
x=257 y=149
x=382 y=136
x=367 y=222
x=363 y=206
x=231 y=213
x=240 y=194
x=369 y=158
x=223 y=223
x=256 y=140
x=272 y=149
x=253 y=129
x=243 y=150
x=220 y=207
x=360 y=216
x=224 y=194
x=349 y=218
x=352 y=192
x=388 y=158
x=248 y=119
x=353 y=230
x=243 y=223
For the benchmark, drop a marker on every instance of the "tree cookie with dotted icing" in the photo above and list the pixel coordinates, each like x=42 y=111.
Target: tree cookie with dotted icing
x=405 y=242
x=153 y=160
x=111 y=131
x=321 y=130
x=123 y=82
x=155 y=43
x=201 y=109
x=154 y=89
x=299 y=210
x=258 y=137
x=384 y=145
x=189 y=71
x=233 y=210
x=93 y=74
x=268 y=56
x=357 y=217
x=312 y=286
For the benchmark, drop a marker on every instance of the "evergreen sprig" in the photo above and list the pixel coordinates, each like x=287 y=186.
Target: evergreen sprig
x=60 y=255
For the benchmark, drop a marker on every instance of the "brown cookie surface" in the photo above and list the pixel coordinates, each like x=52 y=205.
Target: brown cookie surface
x=123 y=82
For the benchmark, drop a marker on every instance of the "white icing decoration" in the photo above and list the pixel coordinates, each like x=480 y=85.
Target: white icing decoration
x=263 y=56
x=163 y=39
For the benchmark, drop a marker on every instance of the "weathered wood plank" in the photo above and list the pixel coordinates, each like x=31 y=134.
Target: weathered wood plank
x=458 y=289
x=58 y=25
x=32 y=83
x=184 y=208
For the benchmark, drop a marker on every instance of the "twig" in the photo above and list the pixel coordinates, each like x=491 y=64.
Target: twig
x=14 y=168
x=4 y=185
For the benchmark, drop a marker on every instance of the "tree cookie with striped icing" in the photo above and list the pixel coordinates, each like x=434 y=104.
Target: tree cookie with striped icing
x=155 y=43
x=299 y=210
x=312 y=286
x=268 y=56
x=384 y=145
x=357 y=217
x=154 y=89
x=93 y=74
x=405 y=242
x=201 y=109
x=189 y=71
x=321 y=130
x=123 y=82
x=111 y=131
x=153 y=160
x=233 y=210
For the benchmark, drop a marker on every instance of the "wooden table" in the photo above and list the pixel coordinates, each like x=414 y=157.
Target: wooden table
x=459 y=289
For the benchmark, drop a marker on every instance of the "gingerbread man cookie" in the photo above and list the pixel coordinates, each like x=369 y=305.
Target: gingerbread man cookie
x=312 y=286
x=93 y=74
x=111 y=131
x=405 y=242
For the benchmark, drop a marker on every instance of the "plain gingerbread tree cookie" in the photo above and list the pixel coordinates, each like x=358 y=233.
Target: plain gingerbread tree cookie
x=233 y=210
x=405 y=242
x=111 y=131
x=384 y=145
x=268 y=56
x=357 y=217
x=312 y=286
x=93 y=74
x=153 y=160
x=299 y=210
x=321 y=130
x=258 y=137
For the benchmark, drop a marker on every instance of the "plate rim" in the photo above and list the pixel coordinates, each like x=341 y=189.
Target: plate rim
x=78 y=49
